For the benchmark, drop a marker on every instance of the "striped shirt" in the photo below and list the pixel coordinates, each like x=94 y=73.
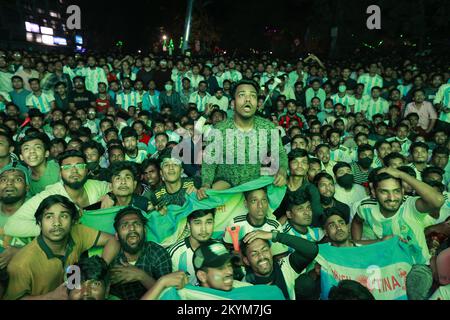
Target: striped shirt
x=199 y=100
x=376 y=106
x=294 y=77
x=182 y=254
x=126 y=100
x=361 y=104
x=408 y=223
x=140 y=157
x=360 y=176
x=232 y=75
x=93 y=77
x=443 y=96
x=41 y=102
x=370 y=82
x=312 y=234
x=245 y=227
x=346 y=100
x=151 y=101
x=341 y=154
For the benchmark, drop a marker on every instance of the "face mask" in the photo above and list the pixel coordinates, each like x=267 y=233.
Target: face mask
x=345 y=181
x=342 y=89
x=365 y=163
x=168 y=87
x=326 y=200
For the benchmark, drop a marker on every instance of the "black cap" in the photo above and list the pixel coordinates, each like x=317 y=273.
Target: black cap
x=211 y=254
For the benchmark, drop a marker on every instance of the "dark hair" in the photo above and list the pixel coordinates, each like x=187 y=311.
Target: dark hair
x=298 y=153
x=119 y=166
x=36 y=136
x=340 y=165
x=321 y=175
x=94 y=268
x=331 y=131
x=322 y=145
x=162 y=134
x=59 y=123
x=247 y=193
x=8 y=137
x=244 y=245
x=430 y=170
x=126 y=211
x=69 y=154
x=314 y=160
x=112 y=129
x=377 y=178
x=419 y=144
x=441 y=150
x=250 y=82
x=333 y=211
x=392 y=156
x=116 y=147
x=364 y=147
x=56 y=199
x=93 y=145
x=199 y=213
x=349 y=290
x=298 y=198
x=379 y=143
x=58 y=141
x=149 y=162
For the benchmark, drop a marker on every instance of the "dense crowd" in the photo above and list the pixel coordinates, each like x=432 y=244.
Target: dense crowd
x=356 y=153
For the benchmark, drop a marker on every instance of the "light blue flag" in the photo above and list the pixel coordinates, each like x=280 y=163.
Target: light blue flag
x=381 y=267
x=167 y=229
x=256 y=292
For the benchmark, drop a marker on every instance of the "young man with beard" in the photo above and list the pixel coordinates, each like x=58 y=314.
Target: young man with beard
x=14 y=181
x=74 y=185
x=201 y=226
x=37 y=271
x=338 y=152
x=419 y=155
x=124 y=178
x=93 y=151
x=34 y=151
x=257 y=255
x=130 y=143
x=139 y=263
x=383 y=148
x=291 y=115
x=200 y=97
x=391 y=213
x=93 y=75
x=323 y=154
x=346 y=190
x=128 y=97
x=245 y=121
x=361 y=168
x=80 y=97
x=326 y=186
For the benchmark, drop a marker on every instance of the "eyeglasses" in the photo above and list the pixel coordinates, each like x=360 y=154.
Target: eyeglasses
x=78 y=166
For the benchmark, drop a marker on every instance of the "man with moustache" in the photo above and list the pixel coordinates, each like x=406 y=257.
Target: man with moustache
x=244 y=122
x=74 y=185
x=14 y=181
x=201 y=226
x=140 y=263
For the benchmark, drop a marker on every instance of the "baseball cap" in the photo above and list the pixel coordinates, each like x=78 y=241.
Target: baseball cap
x=211 y=254
x=17 y=166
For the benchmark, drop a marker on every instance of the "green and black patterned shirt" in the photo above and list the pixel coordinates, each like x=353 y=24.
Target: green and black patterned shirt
x=231 y=166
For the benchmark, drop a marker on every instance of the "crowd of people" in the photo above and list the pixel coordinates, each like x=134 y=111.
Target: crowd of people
x=361 y=148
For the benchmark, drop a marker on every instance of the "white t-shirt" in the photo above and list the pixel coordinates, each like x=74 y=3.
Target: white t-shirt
x=408 y=223
x=356 y=193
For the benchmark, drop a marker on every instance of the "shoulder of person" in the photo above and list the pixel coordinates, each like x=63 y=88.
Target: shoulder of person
x=368 y=202
x=176 y=246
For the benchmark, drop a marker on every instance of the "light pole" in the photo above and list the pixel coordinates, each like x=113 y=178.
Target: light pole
x=187 y=24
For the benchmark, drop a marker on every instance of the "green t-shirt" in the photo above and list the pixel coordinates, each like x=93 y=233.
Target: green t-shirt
x=50 y=176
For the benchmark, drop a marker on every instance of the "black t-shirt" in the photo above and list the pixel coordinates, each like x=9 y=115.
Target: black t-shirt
x=161 y=197
x=82 y=99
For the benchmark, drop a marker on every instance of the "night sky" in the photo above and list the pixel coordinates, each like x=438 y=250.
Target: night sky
x=264 y=25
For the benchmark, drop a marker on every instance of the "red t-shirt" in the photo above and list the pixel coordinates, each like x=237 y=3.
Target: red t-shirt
x=102 y=104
